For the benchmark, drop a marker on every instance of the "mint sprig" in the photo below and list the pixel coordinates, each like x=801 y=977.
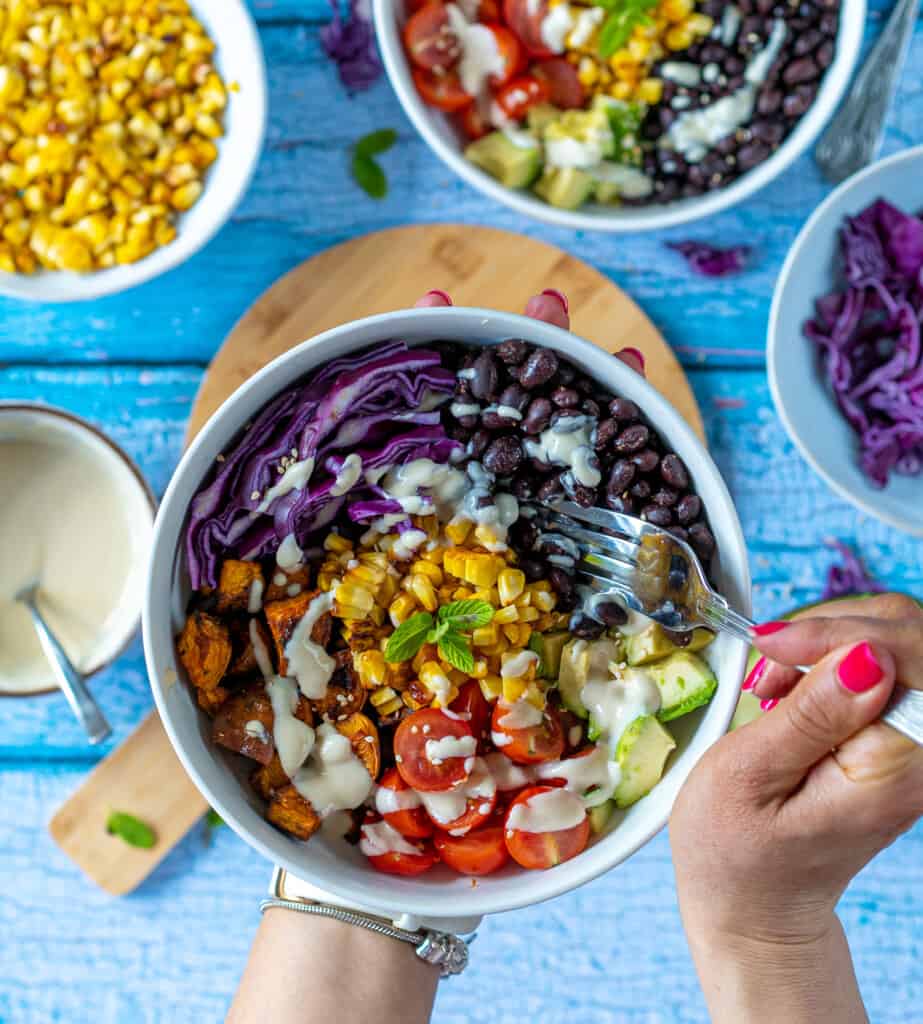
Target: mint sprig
x=131 y=830
x=366 y=170
x=448 y=631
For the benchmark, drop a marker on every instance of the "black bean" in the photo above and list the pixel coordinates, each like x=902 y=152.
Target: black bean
x=537 y=416
x=567 y=374
x=733 y=66
x=585 y=386
x=538 y=369
x=698 y=175
x=674 y=472
x=824 y=55
x=468 y=422
x=802 y=69
x=829 y=23
x=605 y=432
x=689 y=508
x=666 y=497
x=561 y=582
x=463 y=388
x=523 y=488
x=646 y=460
x=484 y=381
x=752 y=25
x=657 y=515
x=512 y=352
x=632 y=439
x=551 y=487
x=504 y=456
x=805 y=42
x=480 y=439
x=565 y=398
x=458 y=433
x=702 y=541
x=678 y=576
x=611 y=613
x=765 y=6
x=584 y=496
x=533 y=569
x=679 y=638
x=567 y=602
x=666 y=116
x=752 y=154
x=620 y=503
x=641 y=490
x=513 y=396
x=770 y=132
x=585 y=628
x=621 y=477
x=492 y=420
x=590 y=407
x=797 y=102
x=679 y=532
x=712 y=53
x=624 y=410
x=524 y=532
x=769 y=102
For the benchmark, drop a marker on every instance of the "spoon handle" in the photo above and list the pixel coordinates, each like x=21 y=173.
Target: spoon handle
x=853 y=136
x=71 y=682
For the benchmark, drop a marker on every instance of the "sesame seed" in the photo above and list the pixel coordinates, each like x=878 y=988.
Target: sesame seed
x=414 y=729
x=398 y=759
x=219 y=458
x=254 y=495
x=426 y=728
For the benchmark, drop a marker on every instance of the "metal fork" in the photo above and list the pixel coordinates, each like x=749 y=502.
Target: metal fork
x=652 y=572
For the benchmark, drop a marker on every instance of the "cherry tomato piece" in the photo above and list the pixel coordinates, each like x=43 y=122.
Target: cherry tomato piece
x=540 y=850
x=429 y=39
x=478 y=853
x=532 y=744
x=516 y=97
x=489 y=11
x=473 y=707
x=477 y=810
x=421 y=769
x=404 y=864
x=444 y=92
x=525 y=18
x=411 y=821
x=564 y=88
x=390 y=852
x=473 y=124
x=511 y=52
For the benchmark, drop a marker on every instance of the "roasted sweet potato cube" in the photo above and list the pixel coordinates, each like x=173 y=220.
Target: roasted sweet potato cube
x=289 y=811
x=243 y=656
x=282 y=583
x=244 y=724
x=362 y=734
x=345 y=693
x=237 y=582
x=284 y=616
x=211 y=700
x=204 y=648
x=269 y=777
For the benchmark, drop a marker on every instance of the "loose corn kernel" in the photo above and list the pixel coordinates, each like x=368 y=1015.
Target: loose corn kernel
x=678 y=38
x=510 y=584
x=675 y=10
x=480 y=669
x=458 y=530
x=401 y=608
x=395 y=704
x=429 y=569
x=382 y=695
x=413 y=703
x=462 y=594
x=434 y=679
x=372 y=669
x=358 y=597
x=422 y=589
x=699 y=24
x=484 y=636
x=650 y=90
x=587 y=71
x=482 y=569
x=513 y=688
x=334 y=542
x=505 y=616
x=544 y=600
x=454 y=562
x=528 y=614
x=491 y=686
x=486 y=536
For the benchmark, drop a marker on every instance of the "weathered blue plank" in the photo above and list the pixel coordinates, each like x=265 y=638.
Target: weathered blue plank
x=303 y=200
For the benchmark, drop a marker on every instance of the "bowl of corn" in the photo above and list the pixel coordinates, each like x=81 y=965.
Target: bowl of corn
x=128 y=133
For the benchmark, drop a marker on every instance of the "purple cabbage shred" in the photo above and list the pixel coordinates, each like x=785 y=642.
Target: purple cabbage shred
x=710 y=260
x=350 y=43
x=849 y=576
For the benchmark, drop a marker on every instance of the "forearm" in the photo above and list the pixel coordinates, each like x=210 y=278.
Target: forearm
x=763 y=982
x=305 y=969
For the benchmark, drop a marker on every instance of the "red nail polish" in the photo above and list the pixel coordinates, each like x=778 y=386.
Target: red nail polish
x=638 y=354
x=768 y=628
x=560 y=296
x=768 y=704
x=440 y=294
x=755 y=674
x=859 y=670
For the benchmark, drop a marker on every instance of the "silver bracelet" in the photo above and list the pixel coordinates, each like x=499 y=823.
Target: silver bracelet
x=441 y=949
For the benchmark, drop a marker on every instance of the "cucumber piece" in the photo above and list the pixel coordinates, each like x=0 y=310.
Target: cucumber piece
x=540 y=116
x=549 y=647
x=600 y=815
x=653 y=644
x=574 y=668
x=642 y=754
x=685 y=681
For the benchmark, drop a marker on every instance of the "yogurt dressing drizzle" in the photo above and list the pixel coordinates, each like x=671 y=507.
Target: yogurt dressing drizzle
x=307 y=661
x=553 y=811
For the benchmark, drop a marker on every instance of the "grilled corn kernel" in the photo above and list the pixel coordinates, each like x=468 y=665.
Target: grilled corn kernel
x=699 y=24
x=480 y=668
x=506 y=615
x=429 y=569
x=587 y=71
x=372 y=669
x=510 y=584
x=678 y=38
x=481 y=569
x=411 y=701
x=528 y=614
x=458 y=530
x=434 y=679
x=337 y=544
x=382 y=695
x=426 y=653
x=621 y=91
x=454 y=562
x=352 y=594
x=484 y=636
x=395 y=704
x=491 y=686
x=422 y=589
x=401 y=608
x=513 y=688
x=650 y=90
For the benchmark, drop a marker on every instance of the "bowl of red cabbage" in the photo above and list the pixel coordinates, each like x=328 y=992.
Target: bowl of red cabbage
x=844 y=347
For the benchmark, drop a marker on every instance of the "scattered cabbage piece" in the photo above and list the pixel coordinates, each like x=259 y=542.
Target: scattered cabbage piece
x=710 y=260
x=849 y=576
x=350 y=42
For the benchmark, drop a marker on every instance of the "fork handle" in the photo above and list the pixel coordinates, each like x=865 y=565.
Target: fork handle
x=905 y=711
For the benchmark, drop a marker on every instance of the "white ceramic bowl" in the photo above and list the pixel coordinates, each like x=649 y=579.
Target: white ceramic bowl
x=441 y=136
x=239 y=58
x=222 y=778
x=802 y=398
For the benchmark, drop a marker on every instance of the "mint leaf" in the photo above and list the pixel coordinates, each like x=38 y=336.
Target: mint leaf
x=454 y=649
x=468 y=614
x=213 y=819
x=623 y=17
x=376 y=142
x=536 y=645
x=131 y=830
x=408 y=638
x=369 y=176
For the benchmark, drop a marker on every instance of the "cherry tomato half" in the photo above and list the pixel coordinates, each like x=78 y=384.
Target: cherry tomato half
x=412 y=822
x=525 y=18
x=477 y=810
x=511 y=52
x=540 y=850
x=473 y=124
x=410 y=751
x=378 y=839
x=564 y=88
x=489 y=11
x=532 y=744
x=429 y=39
x=473 y=707
x=516 y=97
x=444 y=92
x=478 y=853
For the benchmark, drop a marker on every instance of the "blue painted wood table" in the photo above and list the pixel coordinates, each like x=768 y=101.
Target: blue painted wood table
x=612 y=952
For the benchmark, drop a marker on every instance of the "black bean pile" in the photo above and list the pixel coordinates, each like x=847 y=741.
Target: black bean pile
x=640 y=475
x=788 y=91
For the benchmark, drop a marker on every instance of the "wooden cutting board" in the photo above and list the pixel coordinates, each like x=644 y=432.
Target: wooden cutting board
x=477 y=266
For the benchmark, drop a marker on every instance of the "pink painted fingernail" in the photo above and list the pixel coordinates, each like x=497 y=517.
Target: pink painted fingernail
x=440 y=294
x=638 y=354
x=768 y=628
x=560 y=296
x=859 y=670
x=755 y=674
x=768 y=704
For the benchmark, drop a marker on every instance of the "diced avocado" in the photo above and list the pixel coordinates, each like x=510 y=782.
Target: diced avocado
x=653 y=644
x=641 y=754
x=511 y=164
x=600 y=816
x=625 y=123
x=540 y=116
x=590 y=127
x=573 y=669
x=685 y=681
x=549 y=646
x=565 y=187
x=606 y=192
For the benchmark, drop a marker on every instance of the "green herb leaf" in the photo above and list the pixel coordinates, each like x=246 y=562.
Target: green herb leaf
x=454 y=649
x=131 y=830
x=408 y=638
x=623 y=17
x=466 y=615
x=213 y=819
x=369 y=176
x=376 y=142
x=536 y=645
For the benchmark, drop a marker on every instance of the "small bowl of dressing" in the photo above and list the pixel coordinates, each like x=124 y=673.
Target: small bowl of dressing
x=77 y=516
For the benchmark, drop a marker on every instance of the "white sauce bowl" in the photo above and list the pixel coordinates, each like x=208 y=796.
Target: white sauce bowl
x=441 y=136
x=222 y=777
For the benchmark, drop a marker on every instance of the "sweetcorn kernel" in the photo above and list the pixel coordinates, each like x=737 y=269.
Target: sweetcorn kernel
x=510 y=584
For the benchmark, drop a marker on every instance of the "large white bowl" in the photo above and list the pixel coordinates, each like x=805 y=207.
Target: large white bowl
x=442 y=138
x=802 y=398
x=222 y=778
x=239 y=58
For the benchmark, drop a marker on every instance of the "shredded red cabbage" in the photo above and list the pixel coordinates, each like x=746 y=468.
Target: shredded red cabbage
x=868 y=336
x=710 y=260
x=350 y=42
x=384 y=399
x=849 y=577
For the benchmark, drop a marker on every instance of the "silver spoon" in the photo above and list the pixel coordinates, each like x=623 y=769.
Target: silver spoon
x=69 y=679
x=853 y=136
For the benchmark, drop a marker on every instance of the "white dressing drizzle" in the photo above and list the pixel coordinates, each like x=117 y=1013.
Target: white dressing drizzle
x=389 y=801
x=308 y=662
x=260 y=651
x=519 y=664
x=255 y=729
x=521 y=715
x=255 y=597
x=506 y=773
x=378 y=838
x=480 y=55
x=295 y=477
x=556 y=25
x=553 y=811
x=594 y=776
x=333 y=779
x=289 y=555
x=349 y=475
x=451 y=805
x=447 y=747
x=293 y=739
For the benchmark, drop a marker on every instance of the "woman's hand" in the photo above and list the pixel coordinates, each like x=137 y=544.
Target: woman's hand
x=780 y=815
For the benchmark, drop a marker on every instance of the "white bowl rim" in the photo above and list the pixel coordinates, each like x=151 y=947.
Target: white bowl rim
x=643 y=218
x=856 y=499
x=101 y=283
x=446 y=323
